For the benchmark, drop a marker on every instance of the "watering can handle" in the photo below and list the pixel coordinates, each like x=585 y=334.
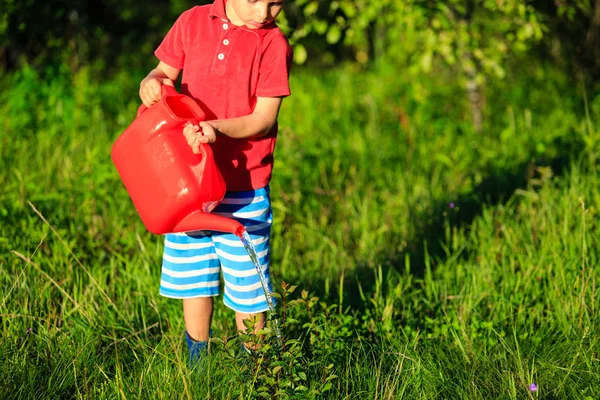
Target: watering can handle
x=165 y=90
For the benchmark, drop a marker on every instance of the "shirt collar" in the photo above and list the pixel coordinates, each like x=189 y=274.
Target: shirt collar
x=217 y=9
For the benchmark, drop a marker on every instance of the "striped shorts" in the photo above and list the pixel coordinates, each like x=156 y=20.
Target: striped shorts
x=193 y=261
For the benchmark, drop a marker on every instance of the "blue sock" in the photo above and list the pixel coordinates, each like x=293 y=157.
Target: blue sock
x=197 y=350
x=245 y=350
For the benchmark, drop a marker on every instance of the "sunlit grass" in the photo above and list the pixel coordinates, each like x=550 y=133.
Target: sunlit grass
x=431 y=261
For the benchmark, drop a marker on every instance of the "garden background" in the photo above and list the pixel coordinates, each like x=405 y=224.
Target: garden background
x=435 y=193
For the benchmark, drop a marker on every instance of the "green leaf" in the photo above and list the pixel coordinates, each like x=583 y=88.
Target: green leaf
x=333 y=34
x=216 y=340
x=276 y=295
x=444 y=159
x=248 y=323
x=311 y=8
x=426 y=61
x=320 y=26
x=349 y=8
x=300 y=54
x=264 y=331
x=276 y=369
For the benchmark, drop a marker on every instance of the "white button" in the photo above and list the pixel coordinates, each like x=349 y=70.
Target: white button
x=225 y=26
x=226 y=42
x=221 y=56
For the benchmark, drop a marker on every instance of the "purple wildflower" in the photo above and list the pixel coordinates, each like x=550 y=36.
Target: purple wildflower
x=533 y=387
x=27 y=332
x=451 y=205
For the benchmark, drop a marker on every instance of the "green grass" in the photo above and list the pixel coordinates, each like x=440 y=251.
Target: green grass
x=431 y=261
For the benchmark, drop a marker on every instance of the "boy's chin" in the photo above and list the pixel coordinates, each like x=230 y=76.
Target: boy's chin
x=255 y=25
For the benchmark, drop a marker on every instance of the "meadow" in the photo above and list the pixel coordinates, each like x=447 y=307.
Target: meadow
x=414 y=257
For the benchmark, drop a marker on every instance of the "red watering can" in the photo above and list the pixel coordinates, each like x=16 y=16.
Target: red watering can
x=173 y=189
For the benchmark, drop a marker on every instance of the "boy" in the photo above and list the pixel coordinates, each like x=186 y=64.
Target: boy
x=236 y=64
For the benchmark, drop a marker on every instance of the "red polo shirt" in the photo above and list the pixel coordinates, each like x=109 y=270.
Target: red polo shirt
x=225 y=68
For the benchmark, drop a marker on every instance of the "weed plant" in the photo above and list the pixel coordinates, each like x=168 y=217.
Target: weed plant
x=415 y=258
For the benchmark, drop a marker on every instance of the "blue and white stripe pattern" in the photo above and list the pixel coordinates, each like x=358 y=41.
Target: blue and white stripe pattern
x=192 y=261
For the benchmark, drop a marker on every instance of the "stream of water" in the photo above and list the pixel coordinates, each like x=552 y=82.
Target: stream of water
x=247 y=242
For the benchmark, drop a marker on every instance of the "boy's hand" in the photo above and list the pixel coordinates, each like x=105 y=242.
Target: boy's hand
x=151 y=88
x=195 y=135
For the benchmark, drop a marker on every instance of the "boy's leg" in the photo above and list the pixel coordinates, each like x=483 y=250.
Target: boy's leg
x=190 y=271
x=197 y=314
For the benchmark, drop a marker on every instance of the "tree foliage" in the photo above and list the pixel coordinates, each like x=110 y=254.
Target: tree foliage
x=425 y=31
x=472 y=40
x=422 y=29
x=472 y=36
x=74 y=33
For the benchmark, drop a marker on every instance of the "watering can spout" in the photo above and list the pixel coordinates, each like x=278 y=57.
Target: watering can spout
x=199 y=220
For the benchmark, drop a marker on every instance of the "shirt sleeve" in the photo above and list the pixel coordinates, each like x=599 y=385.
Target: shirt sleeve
x=274 y=70
x=173 y=48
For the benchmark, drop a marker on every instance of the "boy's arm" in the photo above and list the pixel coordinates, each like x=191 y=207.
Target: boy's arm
x=150 y=87
x=257 y=124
